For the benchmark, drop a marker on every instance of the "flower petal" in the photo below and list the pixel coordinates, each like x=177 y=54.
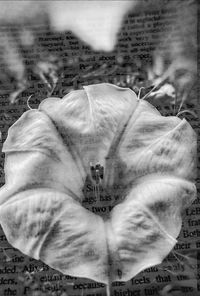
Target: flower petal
x=145 y=225
x=44 y=183
x=49 y=225
x=152 y=144
x=37 y=156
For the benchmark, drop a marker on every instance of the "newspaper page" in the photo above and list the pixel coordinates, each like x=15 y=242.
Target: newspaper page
x=47 y=50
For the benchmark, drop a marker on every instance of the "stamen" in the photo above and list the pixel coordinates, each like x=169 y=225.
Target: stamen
x=97 y=174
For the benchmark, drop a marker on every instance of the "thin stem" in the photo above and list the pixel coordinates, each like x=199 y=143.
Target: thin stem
x=182 y=102
x=155 y=86
x=186 y=111
x=27 y=102
x=175 y=104
x=140 y=91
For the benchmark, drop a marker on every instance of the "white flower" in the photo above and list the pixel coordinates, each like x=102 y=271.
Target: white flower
x=49 y=151
x=96 y=22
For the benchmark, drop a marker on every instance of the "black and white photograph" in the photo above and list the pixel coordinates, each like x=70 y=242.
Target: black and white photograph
x=99 y=150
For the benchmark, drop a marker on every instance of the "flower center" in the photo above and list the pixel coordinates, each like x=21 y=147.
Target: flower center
x=97 y=198
x=97 y=173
